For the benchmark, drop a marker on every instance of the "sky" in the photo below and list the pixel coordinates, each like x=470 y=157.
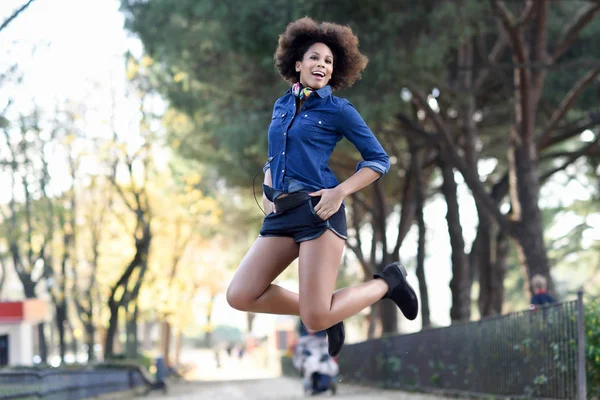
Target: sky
x=73 y=50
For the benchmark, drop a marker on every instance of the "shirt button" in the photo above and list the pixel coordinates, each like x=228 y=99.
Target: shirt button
x=282 y=115
x=319 y=122
x=305 y=115
x=282 y=171
x=283 y=153
x=284 y=133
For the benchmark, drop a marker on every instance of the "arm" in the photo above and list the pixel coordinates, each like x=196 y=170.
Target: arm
x=375 y=164
x=354 y=128
x=364 y=177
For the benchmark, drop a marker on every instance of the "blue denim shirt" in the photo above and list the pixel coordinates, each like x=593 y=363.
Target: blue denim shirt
x=300 y=146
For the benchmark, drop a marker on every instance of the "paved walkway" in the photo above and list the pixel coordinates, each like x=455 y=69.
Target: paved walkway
x=271 y=389
x=251 y=379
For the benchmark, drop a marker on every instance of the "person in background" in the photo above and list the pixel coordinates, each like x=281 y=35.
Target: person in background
x=540 y=294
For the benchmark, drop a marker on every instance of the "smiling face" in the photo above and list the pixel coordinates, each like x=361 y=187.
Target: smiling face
x=316 y=66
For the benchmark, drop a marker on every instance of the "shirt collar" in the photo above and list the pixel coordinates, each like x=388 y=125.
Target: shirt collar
x=323 y=92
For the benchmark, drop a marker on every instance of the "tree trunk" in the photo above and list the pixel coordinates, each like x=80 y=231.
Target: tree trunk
x=416 y=165
x=166 y=341
x=131 y=345
x=60 y=318
x=500 y=269
x=459 y=285
x=90 y=337
x=139 y=264
x=74 y=342
x=529 y=44
x=43 y=346
x=528 y=230
x=388 y=312
x=178 y=344
x=109 y=343
x=372 y=322
x=481 y=258
x=470 y=132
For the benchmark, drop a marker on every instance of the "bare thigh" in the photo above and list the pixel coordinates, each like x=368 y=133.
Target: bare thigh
x=266 y=260
x=319 y=264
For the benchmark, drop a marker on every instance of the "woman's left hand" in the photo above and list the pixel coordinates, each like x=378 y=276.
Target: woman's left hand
x=331 y=200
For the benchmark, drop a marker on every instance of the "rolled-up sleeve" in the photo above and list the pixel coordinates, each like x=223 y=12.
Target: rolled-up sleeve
x=354 y=128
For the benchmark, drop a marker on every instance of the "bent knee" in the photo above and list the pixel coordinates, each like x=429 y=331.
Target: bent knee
x=316 y=320
x=238 y=299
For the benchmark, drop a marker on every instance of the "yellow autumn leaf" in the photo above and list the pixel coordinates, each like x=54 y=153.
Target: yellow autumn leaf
x=132 y=70
x=180 y=76
x=193 y=178
x=146 y=61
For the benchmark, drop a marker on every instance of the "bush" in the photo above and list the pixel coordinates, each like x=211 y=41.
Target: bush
x=592 y=344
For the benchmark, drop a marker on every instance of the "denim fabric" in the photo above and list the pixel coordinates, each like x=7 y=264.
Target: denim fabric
x=300 y=145
x=302 y=223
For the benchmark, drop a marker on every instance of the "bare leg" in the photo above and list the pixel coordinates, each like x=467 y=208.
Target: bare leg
x=251 y=288
x=321 y=308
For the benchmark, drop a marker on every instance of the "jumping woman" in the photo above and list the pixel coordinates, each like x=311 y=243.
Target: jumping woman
x=306 y=216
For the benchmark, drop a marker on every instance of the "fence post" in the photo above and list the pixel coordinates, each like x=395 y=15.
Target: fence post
x=581 y=377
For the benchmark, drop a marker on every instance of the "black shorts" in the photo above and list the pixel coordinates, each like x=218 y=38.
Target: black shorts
x=296 y=218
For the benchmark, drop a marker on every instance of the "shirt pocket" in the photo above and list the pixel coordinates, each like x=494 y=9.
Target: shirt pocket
x=316 y=131
x=313 y=122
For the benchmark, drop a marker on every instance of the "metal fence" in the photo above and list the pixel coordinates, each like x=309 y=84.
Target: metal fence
x=530 y=354
x=59 y=384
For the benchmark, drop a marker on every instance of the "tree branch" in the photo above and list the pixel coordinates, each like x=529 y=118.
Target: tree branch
x=523 y=77
x=493 y=58
x=573 y=157
x=507 y=19
x=583 y=17
x=470 y=177
x=113 y=180
x=540 y=47
x=416 y=131
x=573 y=129
x=15 y=14
x=527 y=13
x=568 y=102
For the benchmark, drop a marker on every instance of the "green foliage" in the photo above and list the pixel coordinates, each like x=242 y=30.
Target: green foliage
x=592 y=344
x=214 y=62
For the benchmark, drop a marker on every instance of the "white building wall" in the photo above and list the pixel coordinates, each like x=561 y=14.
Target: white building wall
x=20 y=343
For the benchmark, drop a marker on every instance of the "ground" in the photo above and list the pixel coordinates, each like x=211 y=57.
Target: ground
x=251 y=378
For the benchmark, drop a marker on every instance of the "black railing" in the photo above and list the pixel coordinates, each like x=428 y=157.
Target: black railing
x=55 y=384
x=529 y=354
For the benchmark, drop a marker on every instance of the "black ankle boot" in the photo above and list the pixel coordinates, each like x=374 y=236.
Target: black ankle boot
x=335 y=337
x=400 y=291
